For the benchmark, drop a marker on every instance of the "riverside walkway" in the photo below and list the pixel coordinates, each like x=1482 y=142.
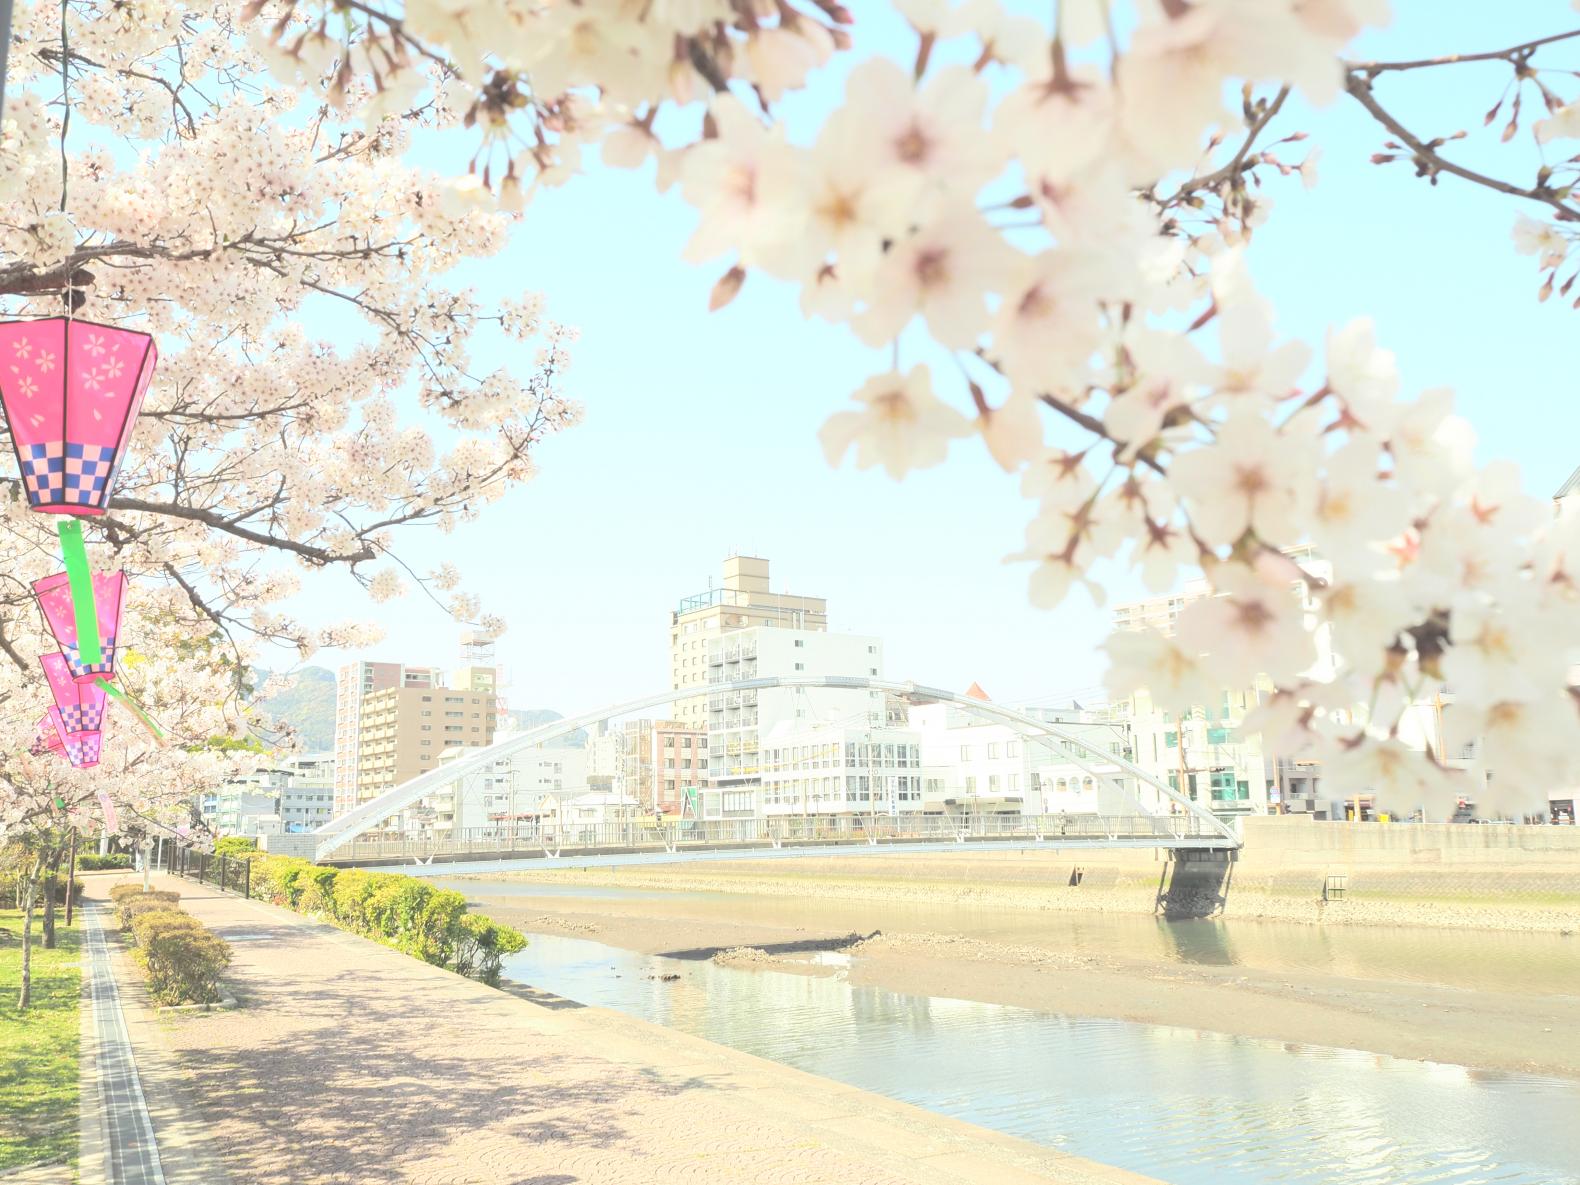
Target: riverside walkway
x=350 y=1063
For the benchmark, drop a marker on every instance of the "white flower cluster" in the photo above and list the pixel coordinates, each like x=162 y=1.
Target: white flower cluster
x=1050 y=223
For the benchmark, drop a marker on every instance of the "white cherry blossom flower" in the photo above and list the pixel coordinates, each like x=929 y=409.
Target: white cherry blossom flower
x=1248 y=627
x=1172 y=675
x=1561 y=124
x=1365 y=377
x=1251 y=476
x=1356 y=511
x=902 y=425
x=937 y=132
x=944 y=271
x=1541 y=239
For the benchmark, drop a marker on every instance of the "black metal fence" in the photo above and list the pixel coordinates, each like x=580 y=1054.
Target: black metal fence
x=226 y=872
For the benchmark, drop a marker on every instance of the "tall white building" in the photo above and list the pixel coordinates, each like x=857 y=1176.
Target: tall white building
x=512 y=795
x=740 y=721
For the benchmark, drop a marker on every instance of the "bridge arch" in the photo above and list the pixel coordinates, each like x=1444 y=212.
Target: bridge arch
x=342 y=830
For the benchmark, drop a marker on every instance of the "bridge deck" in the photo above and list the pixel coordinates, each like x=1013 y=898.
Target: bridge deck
x=628 y=843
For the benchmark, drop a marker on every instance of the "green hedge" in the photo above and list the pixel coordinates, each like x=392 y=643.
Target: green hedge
x=400 y=911
x=182 y=959
x=93 y=862
x=235 y=845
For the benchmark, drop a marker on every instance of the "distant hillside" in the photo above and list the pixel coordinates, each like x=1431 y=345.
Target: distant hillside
x=308 y=707
x=526 y=718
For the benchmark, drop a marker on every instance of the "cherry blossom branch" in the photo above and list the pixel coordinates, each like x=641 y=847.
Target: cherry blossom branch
x=1231 y=170
x=1514 y=54
x=1429 y=162
x=219 y=522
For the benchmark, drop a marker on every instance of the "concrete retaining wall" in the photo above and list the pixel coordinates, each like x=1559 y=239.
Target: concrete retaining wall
x=1463 y=875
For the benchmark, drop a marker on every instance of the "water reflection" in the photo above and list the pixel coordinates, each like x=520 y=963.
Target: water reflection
x=1184 y=1105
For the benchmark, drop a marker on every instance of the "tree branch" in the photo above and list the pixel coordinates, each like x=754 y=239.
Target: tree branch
x=1359 y=86
x=1508 y=55
x=219 y=522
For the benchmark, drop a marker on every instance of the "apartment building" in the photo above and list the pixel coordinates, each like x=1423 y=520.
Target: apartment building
x=404 y=730
x=738 y=722
x=744 y=601
x=841 y=769
x=307 y=798
x=663 y=764
x=353 y=682
x=977 y=766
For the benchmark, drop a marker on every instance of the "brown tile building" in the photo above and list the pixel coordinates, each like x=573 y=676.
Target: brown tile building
x=404 y=729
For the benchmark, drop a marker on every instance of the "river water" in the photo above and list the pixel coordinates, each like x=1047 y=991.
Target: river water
x=1183 y=1105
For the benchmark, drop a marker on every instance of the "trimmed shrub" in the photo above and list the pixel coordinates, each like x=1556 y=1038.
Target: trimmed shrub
x=400 y=911
x=129 y=906
x=481 y=946
x=151 y=924
x=396 y=907
x=433 y=937
x=93 y=862
x=183 y=960
x=237 y=846
x=353 y=889
x=275 y=877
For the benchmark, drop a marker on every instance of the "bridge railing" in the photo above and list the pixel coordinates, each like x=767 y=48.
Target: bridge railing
x=570 y=838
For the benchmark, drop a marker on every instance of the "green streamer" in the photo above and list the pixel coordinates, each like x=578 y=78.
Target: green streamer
x=80 y=577
x=135 y=709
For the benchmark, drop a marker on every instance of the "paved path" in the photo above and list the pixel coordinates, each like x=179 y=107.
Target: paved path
x=118 y=1146
x=351 y=1063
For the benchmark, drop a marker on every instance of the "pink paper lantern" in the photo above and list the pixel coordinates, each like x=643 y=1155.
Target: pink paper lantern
x=71 y=391
x=81 y=705
x=48 y=740
x=54 y=599
x=82 y=748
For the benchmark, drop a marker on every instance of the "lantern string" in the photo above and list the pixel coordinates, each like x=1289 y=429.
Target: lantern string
x=80 y=577
x=135 y=709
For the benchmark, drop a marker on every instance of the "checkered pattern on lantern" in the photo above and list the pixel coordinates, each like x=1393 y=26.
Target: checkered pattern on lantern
x=82 y=717
x=39 y=747
x=104 y=667
x=83 y=750
x=63 y=473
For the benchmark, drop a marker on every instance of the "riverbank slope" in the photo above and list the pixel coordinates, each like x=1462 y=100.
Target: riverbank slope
x=1495 y=1002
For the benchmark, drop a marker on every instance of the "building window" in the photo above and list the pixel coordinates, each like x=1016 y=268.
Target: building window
x=992 y=783
x=992 y=750
x=800 y=666
x=965 y=752
x=971 y=785
x=800 y=643
x=1011 y=748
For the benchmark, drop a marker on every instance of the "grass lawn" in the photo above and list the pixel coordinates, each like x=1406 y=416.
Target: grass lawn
x=38 y=1048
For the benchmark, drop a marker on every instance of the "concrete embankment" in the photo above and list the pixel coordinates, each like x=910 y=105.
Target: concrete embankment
x=1290 y=869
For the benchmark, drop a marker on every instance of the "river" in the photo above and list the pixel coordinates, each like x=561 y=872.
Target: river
x=1184 y=1105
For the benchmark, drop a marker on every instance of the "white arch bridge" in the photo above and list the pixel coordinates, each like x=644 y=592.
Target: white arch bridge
x=1174 y=822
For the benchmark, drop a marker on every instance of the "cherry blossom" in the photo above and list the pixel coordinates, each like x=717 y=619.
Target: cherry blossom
x=902 y=426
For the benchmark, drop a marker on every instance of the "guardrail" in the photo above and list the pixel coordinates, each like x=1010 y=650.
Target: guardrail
x=226 y=872
x=638 y=835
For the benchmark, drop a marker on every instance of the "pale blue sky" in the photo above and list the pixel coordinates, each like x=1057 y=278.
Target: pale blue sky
x=700 y=432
